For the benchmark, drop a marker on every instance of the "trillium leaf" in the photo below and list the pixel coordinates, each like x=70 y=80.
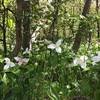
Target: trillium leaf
x=4 y=79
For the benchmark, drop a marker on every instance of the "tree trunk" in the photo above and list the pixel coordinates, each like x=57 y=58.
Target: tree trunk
x=81 y=28
x=98 y=22
x=4 y=29
x=26 y=25
x=19 y=15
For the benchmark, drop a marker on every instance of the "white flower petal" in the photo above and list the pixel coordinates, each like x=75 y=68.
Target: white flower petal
x=25 y=60
x=12 y=64
x=8 y=63
x=20 y=62
x=6 y=67
x=83 y=58
x=81 y=61
x=58 y=50
x=49 y=1
x=59 y=42
x=52 y=46
x=76 y=61
x=17 y=58
x=7 y=60
x=96 y=58
x=27 y=51
x=82 y=17
x=83 y=65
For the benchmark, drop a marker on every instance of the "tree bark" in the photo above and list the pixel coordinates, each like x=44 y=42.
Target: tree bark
x=98 y=22
x=26 y=25
x=81 y=28
x=4 y=28
x=18 y=23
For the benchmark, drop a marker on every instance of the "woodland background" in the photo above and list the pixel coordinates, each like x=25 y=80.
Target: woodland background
x=27 y=28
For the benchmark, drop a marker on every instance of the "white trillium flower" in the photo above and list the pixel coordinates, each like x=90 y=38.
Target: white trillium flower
x=49 y=1
x=56 y=46
x=96 y=59
x=8 y=64
x=81 y=61
x=21 y=61
x=27 y=51
x=82 y=17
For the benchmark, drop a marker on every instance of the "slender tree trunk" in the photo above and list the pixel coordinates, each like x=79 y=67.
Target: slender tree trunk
x=81 y=28
x=98 y=22
x=4 y=29
x=26 y=25
x=19 y=15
